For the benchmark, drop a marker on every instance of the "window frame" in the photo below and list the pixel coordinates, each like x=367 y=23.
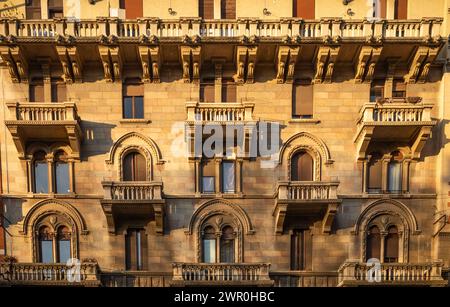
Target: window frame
x=217 y=237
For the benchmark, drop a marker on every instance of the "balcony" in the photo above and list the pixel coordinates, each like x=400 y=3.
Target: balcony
x=299 y=198
x=353 y=273
x=133 y=200
x=43 y=274
x=210 y=29
x=219 y=113
x=304 y=278
x=224 y=274
x=404 y=121
x=44 y=122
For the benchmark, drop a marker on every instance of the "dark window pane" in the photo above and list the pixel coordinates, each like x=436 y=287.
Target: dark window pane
x=127 y=107
x=139 y=107
x=41 y=177
x=302 y=166
x=228 y=177
x=373 y=248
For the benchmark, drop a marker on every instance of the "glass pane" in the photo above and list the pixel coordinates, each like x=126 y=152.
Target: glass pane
x=64 y=250
x=394 y=177
x=209 y=251
x=41 y=177
x=127 y=107
x=228 y=177
x=227 y=251
x=138 y=107
x=208 y=184
x=46 y=251
x=62 y=178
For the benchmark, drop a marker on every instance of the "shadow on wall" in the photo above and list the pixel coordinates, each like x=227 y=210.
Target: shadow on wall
x=97 y=139
x=13 y=211
x=434 y=144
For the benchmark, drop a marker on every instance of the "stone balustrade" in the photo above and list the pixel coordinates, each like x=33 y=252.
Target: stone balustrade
x=357 y=273
x=219 y=112
x=50 y=273
x=311 y=190
x=286 y=27
x=132 y=190
x=43 y=112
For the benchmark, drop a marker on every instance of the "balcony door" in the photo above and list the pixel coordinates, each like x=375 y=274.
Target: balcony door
x=133 y=8
x=134 y=167
x=302 y=167
x=206 y=9
x=228 y=9
x=33 y=9
x=304 y=9
x=401 y=9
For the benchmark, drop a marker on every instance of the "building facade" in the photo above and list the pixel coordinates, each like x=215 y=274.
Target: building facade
x=105 y=104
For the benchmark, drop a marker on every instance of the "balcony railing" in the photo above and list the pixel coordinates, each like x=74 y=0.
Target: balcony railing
x=356 y=273
x=43 y=273
x=132 y=190
x=219 y=112
x=43 y=112
x=393 y=111
x=304 y=278
x=429 y=27
x=213 y=273
x=311 y=190
x=136 y=279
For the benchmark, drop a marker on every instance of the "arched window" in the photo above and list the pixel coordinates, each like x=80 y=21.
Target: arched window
x=302 y=167
x=227 y=245
x=134 y=167
x=209 y=245
x=45 y=238
x=62 y=179
x=63 y=241
x=395 y=173
x=374 y=173
x=373 y=247
x=40 y=167
x=391 y=245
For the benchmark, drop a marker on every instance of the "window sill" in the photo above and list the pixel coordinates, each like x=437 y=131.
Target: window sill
x=221 y=195
x=51 y=195
x=142 y=121
x=304 y=121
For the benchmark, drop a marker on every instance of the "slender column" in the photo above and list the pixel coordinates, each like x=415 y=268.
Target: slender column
x=50 y=174
x=218 y=178
x=239 y=176
x=198 y=177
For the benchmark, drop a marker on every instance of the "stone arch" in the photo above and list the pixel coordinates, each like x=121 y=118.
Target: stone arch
x=222 y=210
x=314 y=146
x=50 y=150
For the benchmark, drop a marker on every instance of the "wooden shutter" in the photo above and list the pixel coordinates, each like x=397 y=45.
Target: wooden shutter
x=133 y=8
x=304 y=9
x=33 y=9
x=229 y=90
x=373 y=246
x=399 y=88
x=207 y=92
x=37 y=91
x=228 y=9
x=209 y=169
x=144 y=249
x=302 y=97
x=391 y=245
x=206 y=9
x=55 y=8
x=130 y=250
x=374 y=173
x=127 y=167
x=59 y=92
x=401 y=9
x=302 y=167
x=383 y=6
x=133 y=90
x=140 y=168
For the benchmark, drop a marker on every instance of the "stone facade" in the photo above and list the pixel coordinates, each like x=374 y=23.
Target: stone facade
x=264 y=220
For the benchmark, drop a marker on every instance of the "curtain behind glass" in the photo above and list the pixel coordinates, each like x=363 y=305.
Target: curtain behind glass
x=62 y=178
x=41 y=177
x=394 y=177
x=46 y=247
x=209 y=250
x=228 y=177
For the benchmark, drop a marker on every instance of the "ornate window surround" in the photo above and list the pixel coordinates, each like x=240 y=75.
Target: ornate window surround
x=383 y=214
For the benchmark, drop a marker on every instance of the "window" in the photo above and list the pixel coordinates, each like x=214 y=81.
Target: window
x=33 y=9
x=134 y=167
x=302 y=167
x=373 y=248
x=374 y=173
x=41 y=173
x=37 y=90
x=55 y=9
x=62 y=179
x=302 y=99
x=395 y=173
x=400 y=9
x=229 y=91
x=59 y=92
x=228 y=9
x=209 y=245
x=376 y=90
x=135 y=249
x=206 y=9
x=45 y=245
x=391 y=245
x=228 y=177
x=399 y=89
x=208 y=177
x=133 y=101
x=227 y=245
x=304 y=9
x=379 y=8
x=133 y=8
x=63 y=241
x=207 y=91
x=301 y=250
